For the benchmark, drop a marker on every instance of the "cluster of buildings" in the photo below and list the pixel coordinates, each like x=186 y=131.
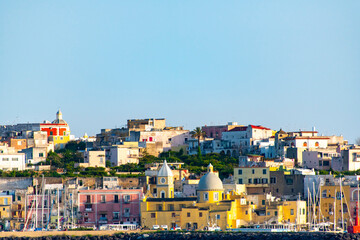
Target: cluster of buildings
x=277 y=180
x=168 y=197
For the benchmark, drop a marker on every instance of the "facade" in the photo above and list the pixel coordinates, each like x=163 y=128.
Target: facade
x=216 y=131
x=320 y=159
x=146 y=124
x=252 y=176
x=123 y=154
x=244 y=137
x=94 y=159
x=211 y=146
x=12 y=162
x=158 y=141
x=58 y=131
x=351 y=159
x=5 y=211
x=286 y=185
x=111 y=206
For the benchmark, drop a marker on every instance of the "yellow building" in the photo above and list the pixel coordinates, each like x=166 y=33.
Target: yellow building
x=58 y=131
x=5 y=211
x=212 y=207
x=330 y=202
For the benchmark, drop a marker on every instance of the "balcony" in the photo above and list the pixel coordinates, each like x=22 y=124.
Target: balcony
x=126 y=214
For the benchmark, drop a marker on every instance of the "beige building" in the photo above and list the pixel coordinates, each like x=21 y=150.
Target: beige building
x=146 y=124
x=128 y=152
x=94 y=159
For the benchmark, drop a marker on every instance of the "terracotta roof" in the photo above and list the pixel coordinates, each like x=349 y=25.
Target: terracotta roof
x=259 y=127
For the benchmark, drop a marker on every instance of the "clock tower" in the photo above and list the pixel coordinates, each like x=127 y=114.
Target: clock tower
x=165 y=182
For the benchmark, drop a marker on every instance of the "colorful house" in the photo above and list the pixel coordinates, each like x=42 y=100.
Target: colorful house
x=109 y=206
x=58 y=131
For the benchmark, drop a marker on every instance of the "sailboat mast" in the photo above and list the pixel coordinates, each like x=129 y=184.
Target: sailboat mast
x=335 y=210
x=341 y=202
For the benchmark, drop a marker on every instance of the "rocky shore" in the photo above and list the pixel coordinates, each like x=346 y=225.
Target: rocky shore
x=198 y=235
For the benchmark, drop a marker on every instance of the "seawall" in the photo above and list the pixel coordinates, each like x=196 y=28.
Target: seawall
x=186 y=236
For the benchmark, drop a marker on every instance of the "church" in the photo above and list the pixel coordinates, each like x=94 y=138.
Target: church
x=209 y=209
x=213 y=207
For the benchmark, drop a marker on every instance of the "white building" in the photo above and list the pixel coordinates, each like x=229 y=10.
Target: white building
x=14 y=161
x=246 y=136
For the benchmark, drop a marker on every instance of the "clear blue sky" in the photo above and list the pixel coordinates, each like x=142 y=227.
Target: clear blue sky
x=290 y=64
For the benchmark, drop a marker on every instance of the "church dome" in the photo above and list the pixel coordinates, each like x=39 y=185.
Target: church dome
x=59 y=118
x=165 y=171
x=210 y=181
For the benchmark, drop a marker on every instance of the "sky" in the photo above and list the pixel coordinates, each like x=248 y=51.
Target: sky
x=281 y=64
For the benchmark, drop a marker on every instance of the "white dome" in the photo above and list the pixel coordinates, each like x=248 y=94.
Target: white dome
x=165 y=171
x=210 y=182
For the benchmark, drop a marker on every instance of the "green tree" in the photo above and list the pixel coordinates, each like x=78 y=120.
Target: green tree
x=199 y=134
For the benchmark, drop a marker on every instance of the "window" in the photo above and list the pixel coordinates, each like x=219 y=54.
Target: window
x=275 y=213
x=206 y=196
x=240 y=181
x=153 y=215
x=116 y=198
x=273 y=180
x=264 y=171
x=264 y=180
x=291 y=211
x=19 y=198
x=250 y=181
x=19 y=143
x=127 y=198
x=188 y=214
x=253 y=171
x=246 y=212
x=6 y=201
x=240 y=171
x=14 y=159
x=115 y=215
x=5 y=159
x=171 y=207
x=88 y=198
x=263 y=202
x=217 y=216
x=173 y=215
x=200 y=214
x=41 y=154
x=303 y=211
x=103 y=198
x=127 y=210
x=289 y=181
x=216 y=196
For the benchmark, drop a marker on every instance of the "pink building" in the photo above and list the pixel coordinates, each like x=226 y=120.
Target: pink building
x=216 y=131
x=109 y=206
x=38 y=211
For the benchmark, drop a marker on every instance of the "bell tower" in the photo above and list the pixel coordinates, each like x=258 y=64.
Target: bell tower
x=165 y=182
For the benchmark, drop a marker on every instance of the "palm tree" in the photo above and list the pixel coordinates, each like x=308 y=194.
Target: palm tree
x=199 y=134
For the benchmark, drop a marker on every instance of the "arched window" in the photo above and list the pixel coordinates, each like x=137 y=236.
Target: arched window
x=317 y=144
x=355 y=195
x=305 y=144
x=162 y=194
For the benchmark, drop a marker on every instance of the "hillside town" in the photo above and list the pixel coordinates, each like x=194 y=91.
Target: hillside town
x=152 y=176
